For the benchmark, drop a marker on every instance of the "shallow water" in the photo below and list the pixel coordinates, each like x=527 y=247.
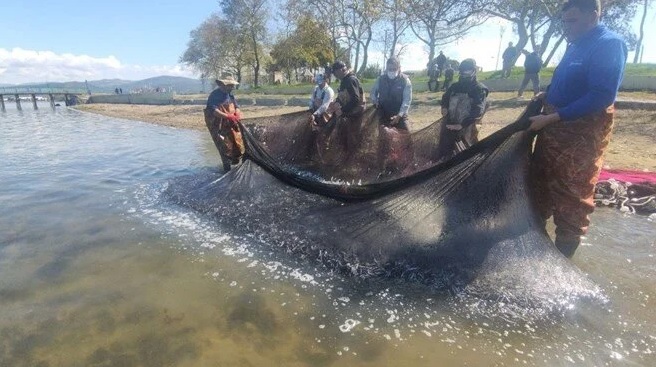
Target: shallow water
x=97 y=269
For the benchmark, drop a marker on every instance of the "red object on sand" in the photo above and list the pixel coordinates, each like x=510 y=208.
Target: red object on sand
x=634 y=177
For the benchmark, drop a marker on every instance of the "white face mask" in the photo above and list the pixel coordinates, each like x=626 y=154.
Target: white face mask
x=392 y=74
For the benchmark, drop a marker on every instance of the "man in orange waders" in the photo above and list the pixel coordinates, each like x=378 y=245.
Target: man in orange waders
x=222 y=118
x=576 y=123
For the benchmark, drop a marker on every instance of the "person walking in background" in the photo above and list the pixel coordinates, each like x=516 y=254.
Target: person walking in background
x=509 y=56
x=575 y=126
x=440 y=61
x=532 y=66
x=448 y=76
x=463 y=105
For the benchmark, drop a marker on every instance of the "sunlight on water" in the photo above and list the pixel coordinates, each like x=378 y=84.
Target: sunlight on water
x=97 y=269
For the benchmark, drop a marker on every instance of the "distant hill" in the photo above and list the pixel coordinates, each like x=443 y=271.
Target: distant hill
x=175 y=83
x=169 y=83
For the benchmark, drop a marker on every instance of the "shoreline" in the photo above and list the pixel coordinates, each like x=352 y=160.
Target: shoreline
x=632 y=145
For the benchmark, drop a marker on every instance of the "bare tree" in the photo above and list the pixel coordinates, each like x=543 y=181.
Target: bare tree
x=439 y=22
x=364 y=15
x=397 y=23
x=641 y=34
x=538 y=21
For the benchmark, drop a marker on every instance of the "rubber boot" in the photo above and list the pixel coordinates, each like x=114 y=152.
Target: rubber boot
x=567 y=245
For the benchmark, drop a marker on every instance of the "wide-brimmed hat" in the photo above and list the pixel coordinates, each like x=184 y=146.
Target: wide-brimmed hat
x=227 y=81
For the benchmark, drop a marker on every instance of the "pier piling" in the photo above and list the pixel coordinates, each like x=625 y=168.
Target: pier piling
x=18 y=105
x=34 y=102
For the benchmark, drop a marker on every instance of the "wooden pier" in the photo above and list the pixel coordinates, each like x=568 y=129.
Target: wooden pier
x=70 y=98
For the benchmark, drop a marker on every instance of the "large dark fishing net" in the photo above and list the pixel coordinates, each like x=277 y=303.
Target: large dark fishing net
x=465 y=221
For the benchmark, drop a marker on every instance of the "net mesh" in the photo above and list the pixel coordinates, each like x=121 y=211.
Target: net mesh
x=460 y=221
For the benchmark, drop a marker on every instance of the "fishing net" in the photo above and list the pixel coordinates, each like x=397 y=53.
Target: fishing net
x=635 y=198
x=451 y=218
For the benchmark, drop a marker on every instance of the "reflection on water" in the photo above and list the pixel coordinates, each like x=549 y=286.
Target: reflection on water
x=97 y=270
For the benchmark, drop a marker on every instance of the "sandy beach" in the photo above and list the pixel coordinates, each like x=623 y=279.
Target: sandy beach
x=633 y=144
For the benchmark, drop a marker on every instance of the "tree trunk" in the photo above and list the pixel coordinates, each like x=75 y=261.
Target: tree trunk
x=522 y=33
x=636 y=57
x=365 y=54
x=357 y=57
x=431 y=53
x=256 y=69
x=553 y=51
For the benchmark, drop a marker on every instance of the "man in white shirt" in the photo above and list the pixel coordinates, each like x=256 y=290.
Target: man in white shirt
x=321 y=97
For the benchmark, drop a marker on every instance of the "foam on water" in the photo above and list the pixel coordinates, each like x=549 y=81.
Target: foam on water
x=396 y=312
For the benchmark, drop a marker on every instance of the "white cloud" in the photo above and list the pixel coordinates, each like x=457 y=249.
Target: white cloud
x=22 y=66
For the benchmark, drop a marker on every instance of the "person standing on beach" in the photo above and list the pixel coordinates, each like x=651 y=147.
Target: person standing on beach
x=509 y=56
x=222 y=117
x=575 y=126
x=532 y=66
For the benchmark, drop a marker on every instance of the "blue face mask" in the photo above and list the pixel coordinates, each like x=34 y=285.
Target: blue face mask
x=392 y=74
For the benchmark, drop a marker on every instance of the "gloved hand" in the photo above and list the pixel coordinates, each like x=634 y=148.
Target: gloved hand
x=232 y=118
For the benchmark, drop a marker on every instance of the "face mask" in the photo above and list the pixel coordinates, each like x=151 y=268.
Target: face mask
x=467 y=75
x=392 y=74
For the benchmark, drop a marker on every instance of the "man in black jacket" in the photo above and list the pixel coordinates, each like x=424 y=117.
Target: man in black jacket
x=463 y=105
x=532 y=66
x=348 y=108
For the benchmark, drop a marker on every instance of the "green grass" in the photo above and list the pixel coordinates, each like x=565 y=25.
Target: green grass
x=417 y=77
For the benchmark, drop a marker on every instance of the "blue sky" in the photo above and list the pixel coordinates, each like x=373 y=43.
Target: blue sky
x=63 y=40
x=120 y=38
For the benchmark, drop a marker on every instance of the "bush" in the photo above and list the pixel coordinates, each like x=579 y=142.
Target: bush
x=371 y=72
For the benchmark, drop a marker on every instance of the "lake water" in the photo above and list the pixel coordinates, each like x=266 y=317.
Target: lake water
x=98 y=269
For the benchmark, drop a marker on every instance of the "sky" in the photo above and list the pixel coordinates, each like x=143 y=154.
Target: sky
x=77 y=40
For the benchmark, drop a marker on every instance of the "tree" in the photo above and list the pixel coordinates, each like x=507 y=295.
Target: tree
x=358 y=23
x=641 y=35
x=307 y=46
x=248 y=18
x=214 y=49
x=538 y=21
x=328 y=14
x=439 y=22
x=397 y=23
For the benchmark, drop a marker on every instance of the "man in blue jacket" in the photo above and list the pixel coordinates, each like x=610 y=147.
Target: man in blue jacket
x=574 y=129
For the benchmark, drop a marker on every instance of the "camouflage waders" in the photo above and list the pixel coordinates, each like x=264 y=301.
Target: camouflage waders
x=565 y=167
